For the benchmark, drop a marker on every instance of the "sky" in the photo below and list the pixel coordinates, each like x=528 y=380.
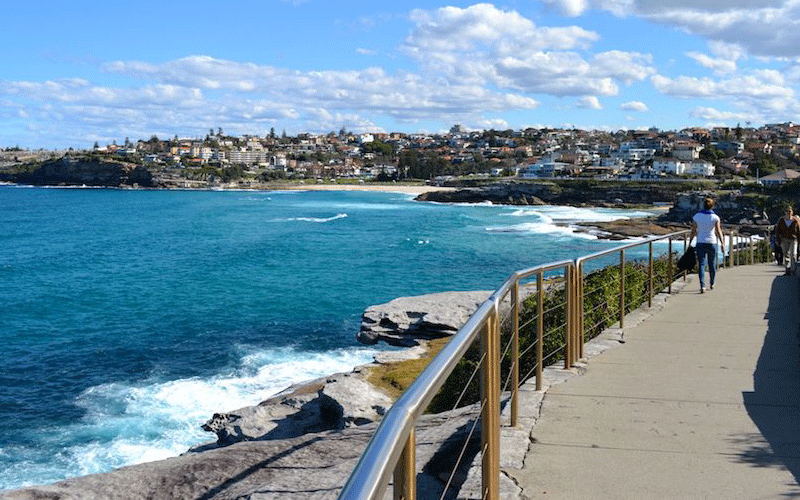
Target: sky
x=79 y=72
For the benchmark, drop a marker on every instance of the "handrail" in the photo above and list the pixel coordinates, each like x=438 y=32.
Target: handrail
x=383 y=450
x=391 y=449
x=371 y=476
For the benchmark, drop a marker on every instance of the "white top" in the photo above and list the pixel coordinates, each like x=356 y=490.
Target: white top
x=706 y=221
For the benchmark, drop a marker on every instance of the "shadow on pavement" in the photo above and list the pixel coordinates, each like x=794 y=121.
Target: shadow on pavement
x=774 y=404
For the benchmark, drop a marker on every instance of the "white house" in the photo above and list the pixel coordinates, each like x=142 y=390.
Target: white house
x=278 y=161
x=632 y=152
x=542 y=169
x=686 y=151
x=700 y=167
x=780 y=177
x=671 y=166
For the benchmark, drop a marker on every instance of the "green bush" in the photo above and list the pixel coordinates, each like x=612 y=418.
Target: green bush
x=601 y=309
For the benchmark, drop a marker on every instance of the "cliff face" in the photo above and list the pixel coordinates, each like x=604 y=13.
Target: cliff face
x=79 y=172
x=733 y=208
x=572 y=193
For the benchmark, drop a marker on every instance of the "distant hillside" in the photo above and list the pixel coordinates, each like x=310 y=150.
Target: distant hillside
x=80 y=171
x=572 y=192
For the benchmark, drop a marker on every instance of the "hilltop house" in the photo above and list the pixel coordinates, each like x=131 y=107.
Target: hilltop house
x=780 y=177
x=675 y=166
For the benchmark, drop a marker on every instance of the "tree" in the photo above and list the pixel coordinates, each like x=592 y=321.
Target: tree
x=378 y=147
x=710 y=153
x=763 y=164
x=272 y=132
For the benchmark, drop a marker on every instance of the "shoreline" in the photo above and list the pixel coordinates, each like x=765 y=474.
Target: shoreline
x=389 y=188
x=403 y=188
x=383 y=188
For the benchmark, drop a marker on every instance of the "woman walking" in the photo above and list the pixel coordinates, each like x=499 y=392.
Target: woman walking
x=787 y=233
x=707 y=228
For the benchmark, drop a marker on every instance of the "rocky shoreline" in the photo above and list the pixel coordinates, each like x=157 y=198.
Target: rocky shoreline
x=305 y=440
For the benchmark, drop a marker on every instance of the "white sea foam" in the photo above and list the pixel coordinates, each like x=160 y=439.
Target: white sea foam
x=256 y=198
x=420 y=241
x=347 y=205
x=558 y=220
x=313 y=219
x=136 y=423
x=541 y=228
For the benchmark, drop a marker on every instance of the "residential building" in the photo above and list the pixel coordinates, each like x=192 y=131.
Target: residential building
x=672 y=166
x=779 y=177
x=687 y=151
x=700 y=167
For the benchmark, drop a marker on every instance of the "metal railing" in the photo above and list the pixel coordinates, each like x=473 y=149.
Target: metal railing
x=390 y=455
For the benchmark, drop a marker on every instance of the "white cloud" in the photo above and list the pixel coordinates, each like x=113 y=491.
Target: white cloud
x=634 y=106
x=762 y=27
x=492 y=124
x=369 y=88
x=716 y=64
x=588 y=102
x=717 y=117
x=569 y=7
x=205 y=91
x=486 y=46
x=483 y=28
x=763 y=84
x=625 y=66
x=366 y=52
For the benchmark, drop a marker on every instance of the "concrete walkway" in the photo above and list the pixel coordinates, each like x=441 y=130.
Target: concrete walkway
x=701 y=401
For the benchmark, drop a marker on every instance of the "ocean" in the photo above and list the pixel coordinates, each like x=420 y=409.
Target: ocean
x=129 y=317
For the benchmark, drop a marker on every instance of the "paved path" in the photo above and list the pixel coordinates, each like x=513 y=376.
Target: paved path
x=701 y=401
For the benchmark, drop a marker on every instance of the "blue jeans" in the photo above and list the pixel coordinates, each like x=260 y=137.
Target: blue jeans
x=706 y=252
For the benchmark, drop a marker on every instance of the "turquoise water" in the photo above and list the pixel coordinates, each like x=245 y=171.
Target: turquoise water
x=129 y=317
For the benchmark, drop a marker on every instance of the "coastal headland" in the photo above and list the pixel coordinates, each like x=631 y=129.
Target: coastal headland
x=325 y=423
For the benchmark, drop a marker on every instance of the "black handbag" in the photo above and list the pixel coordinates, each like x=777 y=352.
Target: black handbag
x=688 y=260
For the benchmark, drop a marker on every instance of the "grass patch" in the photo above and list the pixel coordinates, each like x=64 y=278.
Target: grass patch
x=394 y=378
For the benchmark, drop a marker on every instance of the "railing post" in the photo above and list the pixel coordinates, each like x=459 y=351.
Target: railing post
x=685 y=244
x=669 y=267
x=490 y=414
x=579 y=302
x=569 y=347
x=515 y=353
x=738 y=251
x=730 y=250
x=650 y=278
x=622 y=288
x=539 y=328
x=405 y=473
x=573 y=314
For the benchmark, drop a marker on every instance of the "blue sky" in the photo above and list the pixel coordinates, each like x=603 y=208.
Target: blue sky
x=83 y=71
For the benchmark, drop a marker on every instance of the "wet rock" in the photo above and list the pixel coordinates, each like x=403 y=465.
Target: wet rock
x=315 y=465
x=329 y=403
x=406 y=321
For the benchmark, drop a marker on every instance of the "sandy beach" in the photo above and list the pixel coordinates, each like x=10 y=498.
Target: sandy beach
x=386 y=187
